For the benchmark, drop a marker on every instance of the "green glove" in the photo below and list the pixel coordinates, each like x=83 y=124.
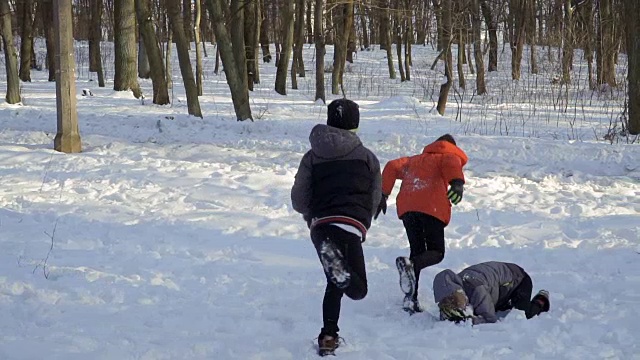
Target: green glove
x=455 y=191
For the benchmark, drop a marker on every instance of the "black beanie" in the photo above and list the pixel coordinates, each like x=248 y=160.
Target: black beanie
x=343 y=114
x=447 y=137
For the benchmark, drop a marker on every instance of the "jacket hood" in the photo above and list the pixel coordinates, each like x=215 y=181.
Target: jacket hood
x=445 y=147
x=445 y=284
x=328 y=142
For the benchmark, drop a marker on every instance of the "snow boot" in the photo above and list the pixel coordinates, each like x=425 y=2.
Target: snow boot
x=334 y=265
x=407 y=276
x=327 y=344
x=411 y=305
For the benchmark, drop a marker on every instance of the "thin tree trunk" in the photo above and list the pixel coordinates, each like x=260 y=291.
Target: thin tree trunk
x=385 y=28
x=10 y=56
x=308 y=23
x=26 y=40
x=632 y=13
x=318 y=33
x=342 y=39
x=95 y=37
x=264 y=34
x=363 y=24
x=448 y=65
x=251 y=37
x=606 y=44
x=196 y=37
x=182 y=47
x=398 y=33
x=125 y=47
x=168 y=69
x=492 y=28
x=186 y=20
x=298 y=38
x=463 y=83
x=476 y=25
x=287 y=43
x=517 y=36
x=531 y=34
x=237 y=9
x=567 y=46
x=238 y=87
x=152 y=48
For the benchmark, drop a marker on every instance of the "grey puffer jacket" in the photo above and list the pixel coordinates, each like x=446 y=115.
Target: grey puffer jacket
x=488 y=286
x=337 y=177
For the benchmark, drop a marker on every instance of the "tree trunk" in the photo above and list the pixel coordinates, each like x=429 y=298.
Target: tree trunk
x=440 y=39
x=567 y=46
x=318 y=33
x=251 y=38
x=531 y=34
x=168 y=70
x=264 y=35
x=585 y=14
x=385 y=28
x=448 y=65
x=11 y=58
x=186 y=20
x=287 y=43
x=342 y=39
x=363 y=24
x=517 y=36
x=26 y=40
x=308 y=23
x=182 y=47
x=632 y=13
x=237 y=38
x=125 y=47
x=605 y=63
x=298 y=38
x=238 y=88
x=196 y=37
x=152 y=48
x=398 y=33
x=492 y=27
x=67 y=138
x=95 y=37
x=461 y=46
x=144 y=71
x=476 y=25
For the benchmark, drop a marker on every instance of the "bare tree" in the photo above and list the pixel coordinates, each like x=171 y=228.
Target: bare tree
x=11 y=58
x=125 y=47
x=342 y=33
x=448 y=57
x=492 y=28
x=318 y=33
x=239 y=91
x=481 y=87
x=95 y=37
x=632 y=12
x=196 y=36
x=26 y=40
x=252 y=41
x=606 y=44
x=285 y=54
x=567 y=42
x=152 y=47
x=182 y=47
x=67 y=138
x=385 y=37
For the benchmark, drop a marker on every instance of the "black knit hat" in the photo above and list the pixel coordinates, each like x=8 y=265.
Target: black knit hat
x=343 y=114
x=447 y=137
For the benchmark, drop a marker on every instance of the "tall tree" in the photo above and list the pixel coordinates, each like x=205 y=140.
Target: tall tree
x=481 y=87
x=67 y=138
x=182 y=47
x=492 y=29
x=26 y=40
x=447 y=9
x=517 y=33
x=342 y=33
x=152 y=47
x=632 y=12
x=567 y=42
x=95 y=37
x=606 y=44
x=11 y=58
x=196 y=37
x=237 y=8
x=239 y=91
x=287 y=43
x=125 y=77
x=318 y=33
x=385 y=37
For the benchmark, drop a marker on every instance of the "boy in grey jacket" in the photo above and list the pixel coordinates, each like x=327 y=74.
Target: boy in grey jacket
x=337 y=189
x=487 y=287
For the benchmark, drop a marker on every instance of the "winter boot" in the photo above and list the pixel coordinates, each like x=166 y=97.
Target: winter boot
x=327 y=344
x=334 y=266
x=411 y=305
x=407 y=276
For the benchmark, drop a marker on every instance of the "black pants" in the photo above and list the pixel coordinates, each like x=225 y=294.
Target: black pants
x=426 y=241
x=351 y=248
x=521 y=299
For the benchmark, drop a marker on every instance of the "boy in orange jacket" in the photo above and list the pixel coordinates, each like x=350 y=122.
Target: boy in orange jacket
x=431 y=182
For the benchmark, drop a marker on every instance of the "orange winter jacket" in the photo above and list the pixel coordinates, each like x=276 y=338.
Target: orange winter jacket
x=425 y=179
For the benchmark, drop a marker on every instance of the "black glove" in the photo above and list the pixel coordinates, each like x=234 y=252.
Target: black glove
x=382 y=206
x=455 y=191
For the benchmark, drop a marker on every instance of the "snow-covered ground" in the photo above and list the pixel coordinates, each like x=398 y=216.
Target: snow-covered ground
x=173 y=237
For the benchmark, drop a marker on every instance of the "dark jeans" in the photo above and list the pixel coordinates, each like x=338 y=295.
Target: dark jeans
x=426 y=241
x=351 y=248
x=521 y=299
